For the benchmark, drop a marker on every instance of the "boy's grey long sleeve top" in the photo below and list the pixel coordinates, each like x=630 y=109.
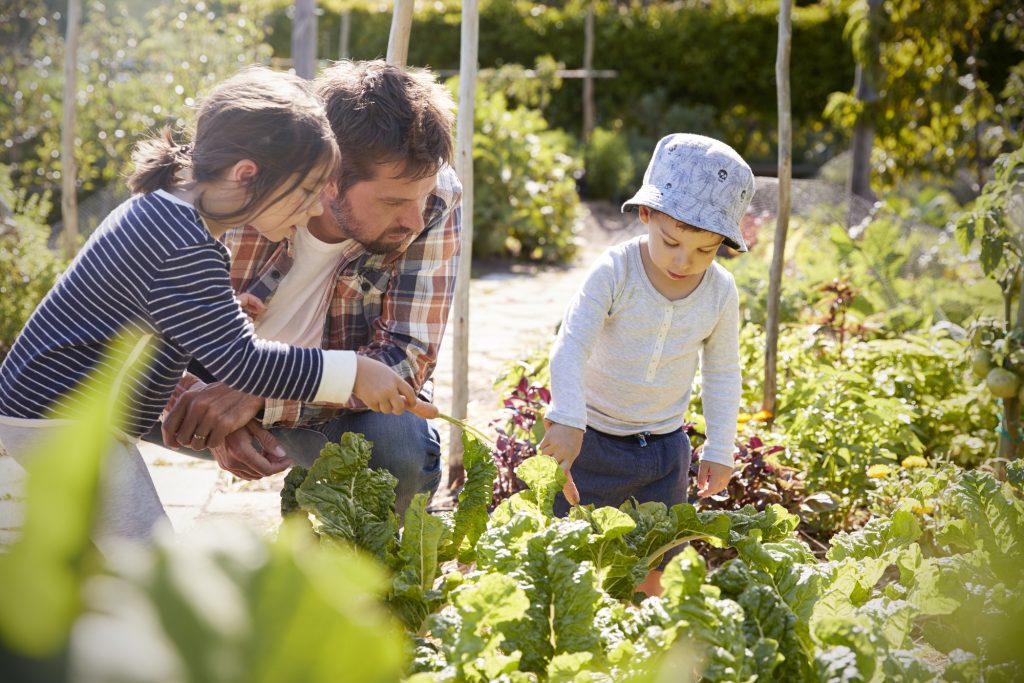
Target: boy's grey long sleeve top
x=626 y=356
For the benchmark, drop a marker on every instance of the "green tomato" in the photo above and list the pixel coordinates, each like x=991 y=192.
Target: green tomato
x=1002 y=383
x=981 y=363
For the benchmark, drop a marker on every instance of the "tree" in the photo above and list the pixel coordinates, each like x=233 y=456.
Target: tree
x=934 y=112
x=144 y=69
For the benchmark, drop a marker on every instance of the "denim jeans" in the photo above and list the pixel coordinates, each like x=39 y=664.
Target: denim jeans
x=406 y=445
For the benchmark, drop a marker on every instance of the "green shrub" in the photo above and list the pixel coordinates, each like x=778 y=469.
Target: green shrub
x=609 y=165
x=27 y=266
x=711 y=63
x=525 y=202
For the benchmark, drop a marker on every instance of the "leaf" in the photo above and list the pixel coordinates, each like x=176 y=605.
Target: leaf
x=350 y=502
x=878 y=537
x=563 y=596
x=42 y=571
x=474 y=499
x=964 y=233
x=412 y=596
x=991 y=252
x=485 y=607
x=292 y=481
x=545 y=479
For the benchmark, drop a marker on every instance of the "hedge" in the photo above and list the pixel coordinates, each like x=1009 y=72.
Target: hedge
x=708 y=57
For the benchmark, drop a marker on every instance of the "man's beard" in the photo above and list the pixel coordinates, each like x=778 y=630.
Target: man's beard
x=352 y=228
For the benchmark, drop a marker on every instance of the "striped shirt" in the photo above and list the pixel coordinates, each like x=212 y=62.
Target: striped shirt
x=392 y=307
x=151 y=268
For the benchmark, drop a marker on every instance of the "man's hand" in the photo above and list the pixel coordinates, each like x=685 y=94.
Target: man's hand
x=563 y=444
x=205 y=414
x=381 y=389
x=712 y=477
x=240 y=457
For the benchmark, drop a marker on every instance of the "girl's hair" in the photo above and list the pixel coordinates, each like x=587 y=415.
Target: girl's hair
x=271 y=118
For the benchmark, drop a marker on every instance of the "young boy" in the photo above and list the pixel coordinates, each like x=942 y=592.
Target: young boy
x=623 y=364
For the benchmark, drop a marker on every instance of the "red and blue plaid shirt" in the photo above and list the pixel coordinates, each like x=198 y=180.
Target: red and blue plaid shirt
x=392 y=307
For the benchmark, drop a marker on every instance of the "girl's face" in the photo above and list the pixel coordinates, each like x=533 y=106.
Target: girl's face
x=293 y=210
x=679 y=253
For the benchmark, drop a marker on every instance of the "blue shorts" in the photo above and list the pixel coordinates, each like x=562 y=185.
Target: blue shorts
x=612 y=469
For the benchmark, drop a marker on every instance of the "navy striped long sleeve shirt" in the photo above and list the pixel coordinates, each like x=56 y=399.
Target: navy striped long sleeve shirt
x=151 y=268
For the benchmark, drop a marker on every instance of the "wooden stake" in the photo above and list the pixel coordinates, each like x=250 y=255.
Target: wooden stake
x=464 y=167
x=69 y=169
x=588 y=79
x=401 y=28
x=304 y=38
x=782 y=220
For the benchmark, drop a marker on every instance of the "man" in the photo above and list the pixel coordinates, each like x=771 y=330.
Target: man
x=375 y=273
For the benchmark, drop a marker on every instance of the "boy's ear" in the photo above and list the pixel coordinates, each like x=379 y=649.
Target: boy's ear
x=643 y=213
x=243 y=171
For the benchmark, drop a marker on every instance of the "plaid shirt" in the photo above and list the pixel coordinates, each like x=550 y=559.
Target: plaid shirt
x=392 y=307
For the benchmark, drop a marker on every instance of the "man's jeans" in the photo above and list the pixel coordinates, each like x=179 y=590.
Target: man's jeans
x=406 y=445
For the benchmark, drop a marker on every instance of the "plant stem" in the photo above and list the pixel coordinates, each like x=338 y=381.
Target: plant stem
x=466 y=427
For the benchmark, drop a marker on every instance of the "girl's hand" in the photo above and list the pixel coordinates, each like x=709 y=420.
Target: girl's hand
x=712 y=477
x=251 y=305
x=563 y=443
x=381 y=389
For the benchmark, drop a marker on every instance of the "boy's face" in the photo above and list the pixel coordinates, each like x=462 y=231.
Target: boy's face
x=679 y=251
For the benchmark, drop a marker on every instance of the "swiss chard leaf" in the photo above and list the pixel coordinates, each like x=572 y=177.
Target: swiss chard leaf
x=350 y=502
x=413 y=596
x=474 y=499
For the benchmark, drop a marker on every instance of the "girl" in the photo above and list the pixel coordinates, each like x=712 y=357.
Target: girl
x=261 y=154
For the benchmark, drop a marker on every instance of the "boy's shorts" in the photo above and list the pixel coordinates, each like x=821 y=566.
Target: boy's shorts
x=612 y=469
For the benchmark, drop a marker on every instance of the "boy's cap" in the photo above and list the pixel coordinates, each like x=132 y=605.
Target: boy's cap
x=700 y=181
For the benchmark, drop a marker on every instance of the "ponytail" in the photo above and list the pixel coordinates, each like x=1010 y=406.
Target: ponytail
x=157 y=160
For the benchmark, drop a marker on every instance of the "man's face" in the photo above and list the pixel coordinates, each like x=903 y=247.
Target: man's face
x=383 y=214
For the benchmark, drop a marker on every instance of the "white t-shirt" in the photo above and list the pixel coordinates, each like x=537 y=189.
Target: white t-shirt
x=298 y=310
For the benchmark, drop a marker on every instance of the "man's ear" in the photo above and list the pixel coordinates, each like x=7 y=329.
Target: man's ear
x=243 y=171
x=331 y=190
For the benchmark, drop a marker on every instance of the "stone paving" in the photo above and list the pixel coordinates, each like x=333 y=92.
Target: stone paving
x=513 y=310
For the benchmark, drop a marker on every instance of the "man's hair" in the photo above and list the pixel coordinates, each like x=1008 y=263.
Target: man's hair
x=383 y=114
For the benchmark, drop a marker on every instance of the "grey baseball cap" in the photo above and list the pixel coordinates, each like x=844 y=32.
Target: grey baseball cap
x=700 y=181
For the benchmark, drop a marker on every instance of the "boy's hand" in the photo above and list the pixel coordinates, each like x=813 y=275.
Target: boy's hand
x=712 y=477
x=563 y=444
x=381 y=389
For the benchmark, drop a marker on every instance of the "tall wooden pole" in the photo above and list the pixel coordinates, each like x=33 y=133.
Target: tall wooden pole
x=863 y=141
x=69 y=169
x=401 y=27
x=304 y=38
x=588 y=79
x=464 y=167
x=344 y=33
x=782 y=220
